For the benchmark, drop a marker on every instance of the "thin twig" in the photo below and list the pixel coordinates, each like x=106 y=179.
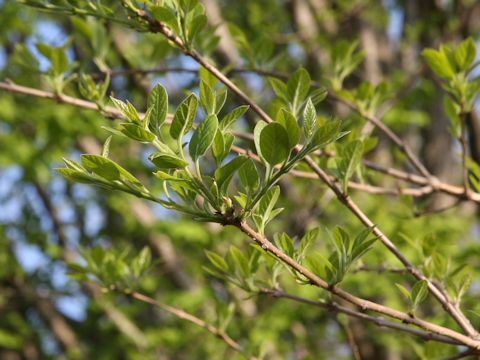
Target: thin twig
x=379 y=269
x=337 y=308
x=113 y=113
x=181 y=314
x=461 y=355
x=361 y=303
x=159 y=27
x=156 y=26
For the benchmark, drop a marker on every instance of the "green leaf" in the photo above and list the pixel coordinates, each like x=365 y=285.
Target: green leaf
x=279 y=88
x=298 y=86
x=217 y=261
x=195 y=26
x=249 y=176
x=309 y=119
x=404 y=291
x=229 y=119
x=166 y=161
x=183 y=118
x=268 y=201
x=75 y=175
x=158 y=102
x=465 y=54
x=288 y=121
x=256 y=136
x=326 y=134
x=240 y=260
x=108 y=169
x=166 y=176
x=419 y=292
x=438 y=62
x=127 y=109
x=351 y=155
x=136 y=132
x=318 y=264
x=101 y=166
x=220 y=98
x=165 y=15
x=106 y=147
x=318 y=95
x=224 y=174
x=207 y=77
x=203 y=137
x=74 y=165
x=144 y=258
x=274 y=143
x=56 y=55
x=285 y=243
x=207 y=98
x=218 y=146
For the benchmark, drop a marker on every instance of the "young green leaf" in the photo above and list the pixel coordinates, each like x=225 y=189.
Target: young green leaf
x=288 y=121
x=166 y=161
x=325 y=134
x=229 y=119
x=256 y=136
x=203 y=137
x=309 y=119
x=220 y=98
x=106 y=147
x=224 y=174
x=351 y=155
x=217 y=261
x=404 y=291
x=465 y=54
x=207 y=98
x=108 y=169
x=419 y=292
x=183 y=118
x=274 y=143
x=438 y=62
x=75 y=175
x=195 y=26
x=249 y=176
x=268 y=201
x=221 y=145
x=136 y=132
x=127 y=109
x=158 y=102
x=218 y=146
x=279 y=88
x=165 y=15
x=298 y=86
x=318 y=95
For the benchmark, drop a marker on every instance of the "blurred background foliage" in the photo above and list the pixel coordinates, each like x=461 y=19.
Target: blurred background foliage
x=46 y=221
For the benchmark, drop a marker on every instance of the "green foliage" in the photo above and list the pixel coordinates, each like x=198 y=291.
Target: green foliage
x=184 y=138
x=113 y=270
x=346 y=252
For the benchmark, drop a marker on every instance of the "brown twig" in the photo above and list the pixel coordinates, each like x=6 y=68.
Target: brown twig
x=181 y=314
x=461 y=355
x=350 y=337
x=361 y=303
x=156 y=26
x=379 y=269
x=378 y=321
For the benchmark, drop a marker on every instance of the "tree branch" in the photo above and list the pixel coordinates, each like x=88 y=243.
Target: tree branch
x=361 y=303
x=159 y=27
x=181 y=314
